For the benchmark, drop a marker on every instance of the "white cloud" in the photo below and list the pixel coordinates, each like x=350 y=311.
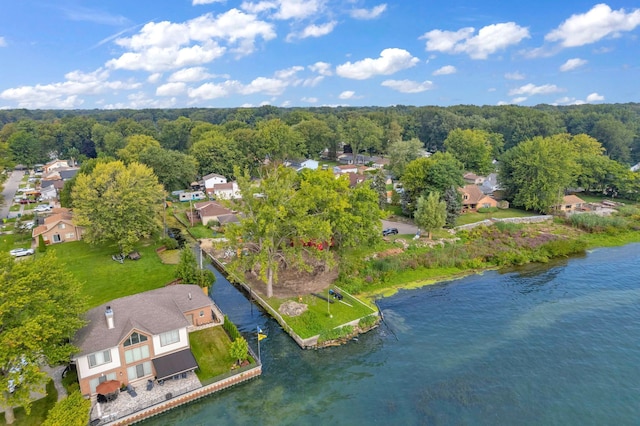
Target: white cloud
x=531 y=89
x=322 y=68
x=514 y=76
x=165 y=45
x=519 y=100
x=313 y=31
x=141 y=100
x=347 y=94
x=489 y=39
x=408 y=86
x=310 y=100
x=596 y=24
x=313 y=81
x=190 y=74
x=297 y=9
x=368 y=13
x=154 y=78
x=273 y=86
x=390 y=61
x=447 y=69
x=594 y=97
x=198 y=2
x=572 y=64
x=171 y=89
x=258 y=7
x=3 y=42
x=66 y=94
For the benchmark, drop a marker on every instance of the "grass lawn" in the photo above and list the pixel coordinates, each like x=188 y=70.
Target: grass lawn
x=210 y=347
x=467 y=218
x=201 y=231
x=104 y=279
x=322 y=315
x=170 y=257
x=39 y=409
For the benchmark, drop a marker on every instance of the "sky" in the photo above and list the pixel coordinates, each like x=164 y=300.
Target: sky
x=73 y=54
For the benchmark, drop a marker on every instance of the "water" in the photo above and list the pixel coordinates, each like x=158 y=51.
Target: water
x=555 y=344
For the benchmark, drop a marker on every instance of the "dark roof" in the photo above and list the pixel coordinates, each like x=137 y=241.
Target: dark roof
x=175 y=363
x=68 y=174
x=152 y=312
x=46 y=183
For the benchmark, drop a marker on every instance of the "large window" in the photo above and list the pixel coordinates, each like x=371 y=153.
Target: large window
x=169 y=337
x=93 y=383
x=138 y=371
x=135 y=338
x=99 y=358
x=136 y=354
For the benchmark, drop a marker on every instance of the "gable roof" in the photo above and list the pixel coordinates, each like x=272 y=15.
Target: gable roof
x=211 y=208
x=572 y=199
x=152 y=312
x=223 y=186
x=212 y=175
x=474 y=194
x=51 y=221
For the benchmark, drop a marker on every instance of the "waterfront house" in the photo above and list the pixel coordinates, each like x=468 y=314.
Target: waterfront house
x=571 y=204
x=142 y=337
x=473 y=198
x=211 y=211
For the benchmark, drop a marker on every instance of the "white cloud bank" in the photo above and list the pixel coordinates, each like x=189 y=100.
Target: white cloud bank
x=390 y=61
x=531 y=89
x=408 y=86
x=489 y=39
x=446 y=70
x=368 y=13
x=599 y=22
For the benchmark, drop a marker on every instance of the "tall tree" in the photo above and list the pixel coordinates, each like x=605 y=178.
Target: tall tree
x=316 y=136
x=475 y=149
x=278 y=141
x=215 y=153
x=535 y=173
x=402 y=153
x=174 y=169
x=136 y=144
x=26 y=148
x=431 y=213
x=40 y=309
x=118 y=204
x=363 y=134
x=74 y=410
x=453 y=199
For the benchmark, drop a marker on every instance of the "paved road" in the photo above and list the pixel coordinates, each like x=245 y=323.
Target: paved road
x=9 y=191
x=403 y=228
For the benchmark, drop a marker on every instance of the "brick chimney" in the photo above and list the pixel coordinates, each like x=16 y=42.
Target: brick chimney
x=109 y=315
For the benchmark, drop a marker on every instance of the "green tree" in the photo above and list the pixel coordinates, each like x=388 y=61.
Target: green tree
x=239 y=350
x=40 y=309
x=187 y=267
x=363 y=134
x=118 y=204
x=402 y=153
x=215 y=153
x=176 y=134
x=136 y=144
x=71 y=411
x=26 y=149
x=615 y=137
x=453 y=199
x=536 y=172
x=379 y=185
x=42 y=247
x=431 y=213
x=316 y=136
x=174 y=169
x=475 y=149
x=278 y=141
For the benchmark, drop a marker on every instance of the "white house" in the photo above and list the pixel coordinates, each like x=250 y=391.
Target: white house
x=303 y=164
x=212 y=179
x=142 y=337
x=225 y=191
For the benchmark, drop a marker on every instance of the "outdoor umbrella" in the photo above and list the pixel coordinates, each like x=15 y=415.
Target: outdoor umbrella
x=108 y=387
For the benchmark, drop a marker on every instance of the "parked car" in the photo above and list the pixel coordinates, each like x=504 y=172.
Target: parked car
x=26 y=201
x=389 y=231
x=19 y=252
x=28 y=225
x=42 y=208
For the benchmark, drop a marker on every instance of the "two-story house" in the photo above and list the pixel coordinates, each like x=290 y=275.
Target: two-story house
x=58 y=228
x=141 y=337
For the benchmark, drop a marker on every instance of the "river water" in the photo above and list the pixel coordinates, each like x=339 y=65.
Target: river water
x=554 y=344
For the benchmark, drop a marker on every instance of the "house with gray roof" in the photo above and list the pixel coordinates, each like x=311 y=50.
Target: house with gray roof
x=142 y=337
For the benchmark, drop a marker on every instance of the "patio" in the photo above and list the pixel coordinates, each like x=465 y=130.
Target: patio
x=125 y=404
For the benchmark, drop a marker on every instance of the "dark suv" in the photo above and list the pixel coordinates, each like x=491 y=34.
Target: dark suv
x=389 y=231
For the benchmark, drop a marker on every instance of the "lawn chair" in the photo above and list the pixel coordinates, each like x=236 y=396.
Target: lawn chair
x=149 y=384
x=131 y=391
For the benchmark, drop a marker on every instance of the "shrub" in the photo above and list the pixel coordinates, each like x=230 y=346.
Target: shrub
x=42 y=247
x=239 y=350
x=368 y=321
x=508 y=226
x=231 y=329
x=169 y=243
x=594 y=223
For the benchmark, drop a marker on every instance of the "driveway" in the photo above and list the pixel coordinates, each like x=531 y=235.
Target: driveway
x=403 y=228
x=9 y=191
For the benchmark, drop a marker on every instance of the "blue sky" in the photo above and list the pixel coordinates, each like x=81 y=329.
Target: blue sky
x=217 y=53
